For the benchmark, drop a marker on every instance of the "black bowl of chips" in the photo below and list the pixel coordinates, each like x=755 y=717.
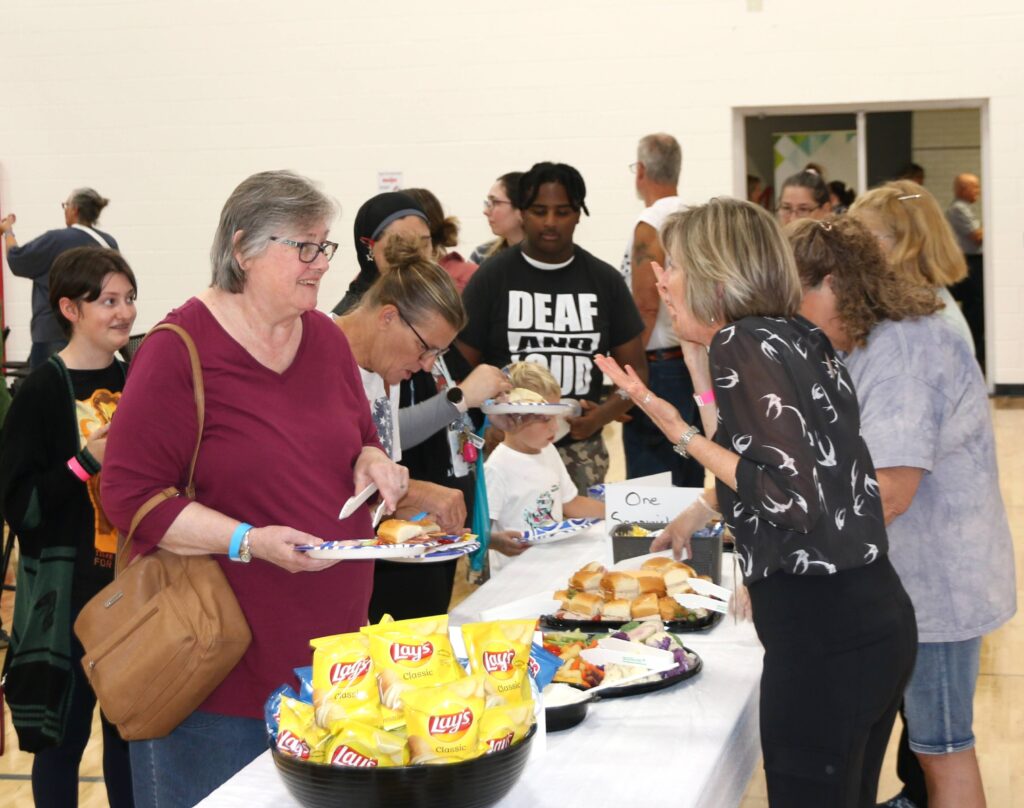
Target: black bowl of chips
x=475 y=783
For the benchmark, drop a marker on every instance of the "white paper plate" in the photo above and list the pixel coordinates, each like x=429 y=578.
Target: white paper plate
x=567 y=407
x=336 y=550
x=557 y=531
x=441 y=554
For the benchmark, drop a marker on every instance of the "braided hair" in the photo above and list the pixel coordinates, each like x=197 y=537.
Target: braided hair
x=541 y=173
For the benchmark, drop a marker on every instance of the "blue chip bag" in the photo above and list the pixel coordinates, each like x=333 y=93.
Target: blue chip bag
x=272 y=707
x=543 y=665
x=305 y=676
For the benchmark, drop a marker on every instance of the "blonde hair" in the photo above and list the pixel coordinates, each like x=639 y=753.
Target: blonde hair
x=535 y=377
x=736 y=260
x=924 y=247
x=415 y=285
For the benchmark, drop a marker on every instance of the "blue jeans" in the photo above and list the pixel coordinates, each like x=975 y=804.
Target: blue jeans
x=648 y=451
x=939 y=701
x=206 y=750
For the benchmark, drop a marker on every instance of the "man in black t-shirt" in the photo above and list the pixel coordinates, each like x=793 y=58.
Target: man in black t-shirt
x=549 y=301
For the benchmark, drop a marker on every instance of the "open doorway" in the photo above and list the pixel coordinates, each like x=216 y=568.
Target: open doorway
x=864 y=147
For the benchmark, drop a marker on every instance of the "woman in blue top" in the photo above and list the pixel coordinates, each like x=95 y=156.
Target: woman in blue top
x=34 y=259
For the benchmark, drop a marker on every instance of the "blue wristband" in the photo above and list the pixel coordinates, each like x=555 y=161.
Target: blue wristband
x=236 y=540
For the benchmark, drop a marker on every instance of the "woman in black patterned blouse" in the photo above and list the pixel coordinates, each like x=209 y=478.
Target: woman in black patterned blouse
x=797 y=487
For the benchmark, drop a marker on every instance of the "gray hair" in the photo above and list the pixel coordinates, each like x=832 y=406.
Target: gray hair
x=264 y=205
x=89 y=204
x=662 y=157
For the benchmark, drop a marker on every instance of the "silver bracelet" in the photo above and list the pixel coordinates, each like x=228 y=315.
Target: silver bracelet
x=682 y=445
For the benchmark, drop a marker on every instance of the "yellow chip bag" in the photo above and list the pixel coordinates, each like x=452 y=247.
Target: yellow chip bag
x=443 y=722
x=501 y=727
x=410 y=654
x=345 y=680
x=297 y=732
x=356 y=744
x=500 y=650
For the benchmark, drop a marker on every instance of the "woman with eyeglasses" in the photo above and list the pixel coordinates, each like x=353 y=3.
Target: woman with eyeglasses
x=34 y=259
x=287 y=439
x=804 y=196
x=503 y=215
x=918 y=242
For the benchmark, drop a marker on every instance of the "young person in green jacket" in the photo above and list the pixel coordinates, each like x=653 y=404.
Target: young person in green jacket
x=53 y=445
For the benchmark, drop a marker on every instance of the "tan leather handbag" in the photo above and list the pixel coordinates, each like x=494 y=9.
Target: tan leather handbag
x=168 y=629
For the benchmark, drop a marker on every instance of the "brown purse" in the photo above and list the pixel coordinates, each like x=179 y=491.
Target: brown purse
x=168 y=629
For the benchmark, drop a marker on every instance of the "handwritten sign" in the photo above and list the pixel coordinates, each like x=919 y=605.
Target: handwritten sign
x=627 y=502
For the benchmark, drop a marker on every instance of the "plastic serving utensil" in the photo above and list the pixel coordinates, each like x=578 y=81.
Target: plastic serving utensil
x=701 y=602
x=702 y=587
x=354 y=502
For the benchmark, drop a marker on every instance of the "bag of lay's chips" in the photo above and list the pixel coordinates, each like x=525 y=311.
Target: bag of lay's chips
x=297 y=732
x=272 y=707
x=500 y=650
x=356 y=744
x=410 y=654
x=502 y=727
x=345 y=680
x=443 y=722
x=305 y=677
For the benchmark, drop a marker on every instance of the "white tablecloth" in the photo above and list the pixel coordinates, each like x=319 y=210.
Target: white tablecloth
x=692 y=745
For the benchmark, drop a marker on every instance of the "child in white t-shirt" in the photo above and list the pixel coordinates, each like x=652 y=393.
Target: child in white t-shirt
x=527 y=483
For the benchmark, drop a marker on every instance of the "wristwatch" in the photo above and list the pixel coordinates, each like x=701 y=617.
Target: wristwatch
x=457 y=398
x=239 y=548
x=682 y=446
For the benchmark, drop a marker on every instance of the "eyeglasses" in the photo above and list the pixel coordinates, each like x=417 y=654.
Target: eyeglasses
x=65 y=205
x=429 y=354
x=786 y=210
x=309 y=250
x=633 y=167
x=490 y=203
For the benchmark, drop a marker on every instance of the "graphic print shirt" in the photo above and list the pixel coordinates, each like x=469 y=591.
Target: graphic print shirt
x=807 y=499
x=558 y=318
x=527 y=490
x=97 y=393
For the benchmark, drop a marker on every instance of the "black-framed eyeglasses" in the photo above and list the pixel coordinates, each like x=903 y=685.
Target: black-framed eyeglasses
x=309 y=250
x=803 y=210
x=490 y=203
x=429 y=354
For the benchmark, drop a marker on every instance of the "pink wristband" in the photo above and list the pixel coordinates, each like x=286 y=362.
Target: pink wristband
x=705 y=398
x=78 y=471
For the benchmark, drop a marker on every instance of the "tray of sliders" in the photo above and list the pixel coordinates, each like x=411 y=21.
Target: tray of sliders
x=661 y=590
x=640 y=657
x=418 y=542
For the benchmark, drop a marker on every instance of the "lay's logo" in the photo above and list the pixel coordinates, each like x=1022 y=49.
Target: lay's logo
x=499 y=744
x=534 y=667
x=401 y=652
x=498 y=661
x=452 y=724
x=350 y=672
x=346 y=756
x=292 y=744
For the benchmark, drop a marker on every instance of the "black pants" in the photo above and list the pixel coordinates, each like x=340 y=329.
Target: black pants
x=839 y=650
x=411 y=590
x=970 y=293
x=55 y=770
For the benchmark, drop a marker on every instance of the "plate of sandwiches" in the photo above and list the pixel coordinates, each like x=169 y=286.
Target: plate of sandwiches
x=520 y=401
x=397 y=539
x=598 y=599
x=545 y=534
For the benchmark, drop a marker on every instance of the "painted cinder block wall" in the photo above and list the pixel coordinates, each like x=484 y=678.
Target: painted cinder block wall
x=164 y=107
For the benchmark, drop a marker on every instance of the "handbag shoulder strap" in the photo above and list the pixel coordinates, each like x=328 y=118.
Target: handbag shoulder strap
x=199 y=394
x=99 y=239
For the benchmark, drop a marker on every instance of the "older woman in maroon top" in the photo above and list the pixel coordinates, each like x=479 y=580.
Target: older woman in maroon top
x=288 y=438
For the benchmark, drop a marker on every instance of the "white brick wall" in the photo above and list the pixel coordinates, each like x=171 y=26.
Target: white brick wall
x=164 y=107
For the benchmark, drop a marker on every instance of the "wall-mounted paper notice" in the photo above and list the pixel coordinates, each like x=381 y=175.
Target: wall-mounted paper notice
x=628 y=502
x=389 y=181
